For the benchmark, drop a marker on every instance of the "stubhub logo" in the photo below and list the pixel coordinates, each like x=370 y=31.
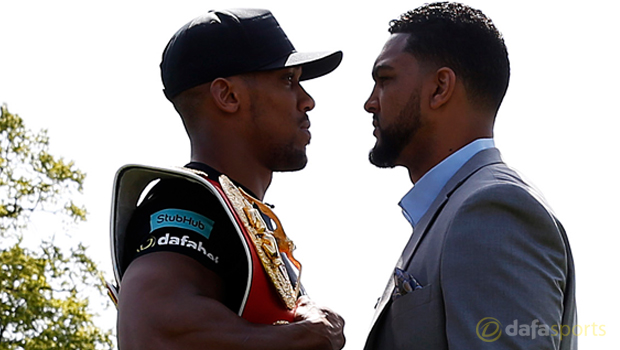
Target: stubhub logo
x=183 y=219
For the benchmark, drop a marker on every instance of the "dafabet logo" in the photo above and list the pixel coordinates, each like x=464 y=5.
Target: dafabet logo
x=489 y=329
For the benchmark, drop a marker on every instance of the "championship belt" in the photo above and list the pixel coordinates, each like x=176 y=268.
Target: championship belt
x=270 y=296
x=269 y=244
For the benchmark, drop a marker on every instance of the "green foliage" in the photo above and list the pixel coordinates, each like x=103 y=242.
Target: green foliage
x=41 y=307
x=30 y=177
x=43 y=292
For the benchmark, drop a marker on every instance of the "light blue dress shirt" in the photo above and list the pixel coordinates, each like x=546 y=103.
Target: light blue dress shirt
x=417 y=201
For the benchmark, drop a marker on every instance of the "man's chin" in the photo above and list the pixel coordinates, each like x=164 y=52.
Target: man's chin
x=381 y=159
x=292 y=164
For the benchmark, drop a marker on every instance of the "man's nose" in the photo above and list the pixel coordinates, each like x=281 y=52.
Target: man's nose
x=306 y=102
x=372 y=104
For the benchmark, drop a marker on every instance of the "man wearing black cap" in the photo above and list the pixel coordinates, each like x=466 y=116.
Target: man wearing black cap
x=201 y=261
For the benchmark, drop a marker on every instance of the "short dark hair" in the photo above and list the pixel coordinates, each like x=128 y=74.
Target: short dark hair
x=457 y=36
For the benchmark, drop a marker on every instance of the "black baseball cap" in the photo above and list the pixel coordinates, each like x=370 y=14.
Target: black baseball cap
x=224 y=43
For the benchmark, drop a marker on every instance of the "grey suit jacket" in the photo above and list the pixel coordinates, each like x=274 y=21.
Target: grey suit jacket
x=495 y=265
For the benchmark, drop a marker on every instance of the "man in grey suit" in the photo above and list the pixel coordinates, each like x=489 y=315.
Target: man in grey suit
x=488 y=264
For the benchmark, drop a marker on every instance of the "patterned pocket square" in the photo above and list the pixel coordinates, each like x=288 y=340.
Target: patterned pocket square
x=404 y=283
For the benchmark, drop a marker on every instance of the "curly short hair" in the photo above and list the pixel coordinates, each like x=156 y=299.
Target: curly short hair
x=454 y=35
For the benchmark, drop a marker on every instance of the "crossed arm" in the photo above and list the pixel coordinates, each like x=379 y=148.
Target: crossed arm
x=170 y=301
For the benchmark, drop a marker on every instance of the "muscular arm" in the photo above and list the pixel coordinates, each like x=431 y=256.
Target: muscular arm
x=504 y=258
x=170 y=301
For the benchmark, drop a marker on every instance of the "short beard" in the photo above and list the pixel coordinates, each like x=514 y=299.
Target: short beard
x=394 y=138
x=282 y=157
x=287 y=158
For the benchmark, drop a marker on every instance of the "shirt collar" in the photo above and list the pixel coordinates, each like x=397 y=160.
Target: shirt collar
x=417 y=201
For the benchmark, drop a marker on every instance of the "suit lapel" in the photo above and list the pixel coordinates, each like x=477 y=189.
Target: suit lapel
x=478 y=161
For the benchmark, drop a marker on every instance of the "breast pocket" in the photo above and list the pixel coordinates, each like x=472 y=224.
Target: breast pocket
x=416 y=322
x=406 y=303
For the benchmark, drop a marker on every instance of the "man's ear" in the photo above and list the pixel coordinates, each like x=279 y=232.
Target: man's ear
x=225 y=96
x=445 y=82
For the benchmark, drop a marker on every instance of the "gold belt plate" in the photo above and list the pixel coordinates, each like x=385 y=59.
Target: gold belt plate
x=269 y=244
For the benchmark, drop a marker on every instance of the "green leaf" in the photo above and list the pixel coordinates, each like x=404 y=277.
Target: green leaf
x=45 y=292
